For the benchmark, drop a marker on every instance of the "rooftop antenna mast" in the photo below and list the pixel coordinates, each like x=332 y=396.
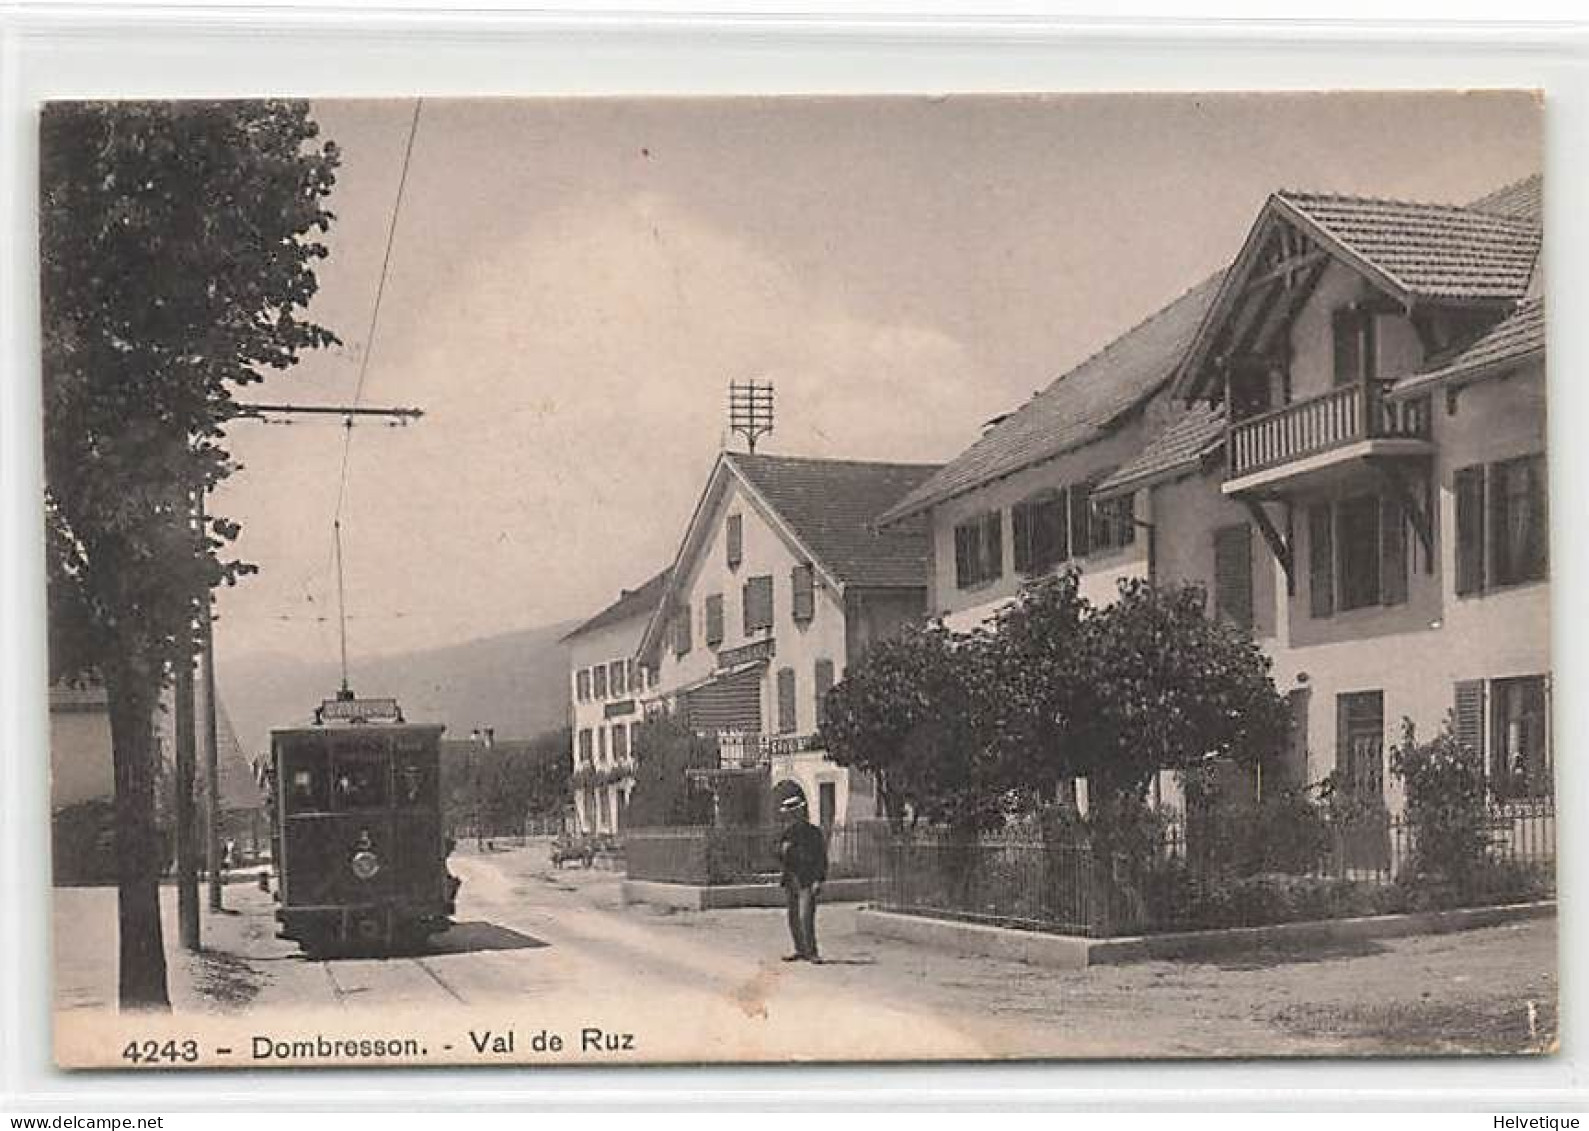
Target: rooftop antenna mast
x=750 y=409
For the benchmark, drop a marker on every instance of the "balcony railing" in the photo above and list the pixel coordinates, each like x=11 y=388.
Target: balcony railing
x=1334 y=419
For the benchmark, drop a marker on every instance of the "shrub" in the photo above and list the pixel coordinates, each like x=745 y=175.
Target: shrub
x=1447 y=812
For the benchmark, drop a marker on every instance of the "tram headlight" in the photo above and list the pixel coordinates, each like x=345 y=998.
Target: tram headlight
x=365 y=864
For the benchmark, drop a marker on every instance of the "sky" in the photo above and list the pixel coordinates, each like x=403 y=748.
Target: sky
x=573 y=283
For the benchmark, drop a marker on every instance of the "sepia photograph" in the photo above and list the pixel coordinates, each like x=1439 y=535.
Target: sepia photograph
x=684 y=580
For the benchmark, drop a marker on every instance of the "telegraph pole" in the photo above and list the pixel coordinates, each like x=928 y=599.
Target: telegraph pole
x=208 y=729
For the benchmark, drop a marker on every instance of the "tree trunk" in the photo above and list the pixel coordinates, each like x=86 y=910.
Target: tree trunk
x=141 y=957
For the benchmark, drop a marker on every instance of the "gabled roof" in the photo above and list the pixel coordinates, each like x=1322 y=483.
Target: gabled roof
x=1510 y=342
x=1414 y=252
x=827 y=509
x=631 y=605
x=1521 y=200
x=831 y=506
x=1188 y=439
x=1434 y=252
x=1079 y=407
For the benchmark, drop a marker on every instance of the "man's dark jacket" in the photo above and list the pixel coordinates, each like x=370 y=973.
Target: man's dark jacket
x=804 y=853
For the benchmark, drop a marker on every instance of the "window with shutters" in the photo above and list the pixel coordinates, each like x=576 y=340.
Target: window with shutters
x=620 y=741
x=1360 y=743
x=599 y=675
x=1468 y=487
x=822 y=682
x=1357 y=554
x=1113 y=523
x=714 y=620
x=802 y=584
x=1519 y=538
x=1233 y=574
x=586 y=745
x=601 y=744
x=786 y=701
x=1520 y=761
x=734 y=540
x=757 y=600
x=617 y=677
x=1039 y=527
x=979 y=550
x=582 y=685
x=682 y=631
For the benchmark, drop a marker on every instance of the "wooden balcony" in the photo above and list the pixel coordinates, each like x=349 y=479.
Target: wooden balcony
x=1337 y=427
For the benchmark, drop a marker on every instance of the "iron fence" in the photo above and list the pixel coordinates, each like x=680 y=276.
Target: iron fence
x=704 y=855
x=1193 y=876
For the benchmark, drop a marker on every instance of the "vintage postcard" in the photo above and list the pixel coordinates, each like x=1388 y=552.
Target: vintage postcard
x=680 y=580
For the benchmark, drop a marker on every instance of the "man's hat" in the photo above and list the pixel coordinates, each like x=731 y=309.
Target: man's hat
x=792 y=803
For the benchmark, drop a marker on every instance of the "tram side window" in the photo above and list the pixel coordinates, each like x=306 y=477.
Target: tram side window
x=360 y=781
x=305 y=782
x=415 y=782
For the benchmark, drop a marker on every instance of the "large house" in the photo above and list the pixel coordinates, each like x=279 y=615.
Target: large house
x=1342 y=438
x=782 y=580
x=605 y=687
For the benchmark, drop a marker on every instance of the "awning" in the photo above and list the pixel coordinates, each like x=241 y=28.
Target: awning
x=731 y=701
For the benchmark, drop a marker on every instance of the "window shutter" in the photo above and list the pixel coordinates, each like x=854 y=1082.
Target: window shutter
x=1468 y=486
x=757 y=598
x=802 y=583
x=993 y=546
x=1080 y=520
x=964 y=536
x=734 y=540
x=1022 y=531
x=1468 y=715
x=786 y=700
x=1392 y=551
x=682 y=631
x=1233 y=573
x=822 y=676
x=714 y=620
x=1321 y=560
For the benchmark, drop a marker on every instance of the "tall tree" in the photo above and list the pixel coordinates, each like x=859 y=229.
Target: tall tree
x=917 y=711
x=178 y=243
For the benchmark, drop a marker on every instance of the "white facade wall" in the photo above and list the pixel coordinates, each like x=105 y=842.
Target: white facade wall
x=766 y=550
x=598 y=809
x=1101 y=571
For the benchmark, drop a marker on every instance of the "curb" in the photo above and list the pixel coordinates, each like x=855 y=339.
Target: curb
x=1076 y=952
x=709 y=897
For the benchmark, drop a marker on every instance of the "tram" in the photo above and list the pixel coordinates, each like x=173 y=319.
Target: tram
x=361 y=859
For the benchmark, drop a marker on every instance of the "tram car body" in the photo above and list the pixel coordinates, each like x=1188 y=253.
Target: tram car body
x=361 y=855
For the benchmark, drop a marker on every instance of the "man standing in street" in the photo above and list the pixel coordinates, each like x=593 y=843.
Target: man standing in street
x=803 y=851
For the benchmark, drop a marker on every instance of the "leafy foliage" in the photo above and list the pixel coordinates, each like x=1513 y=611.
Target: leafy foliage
x=664 y=749
x=177 y=249
x=1446 y=806
x=918 y=711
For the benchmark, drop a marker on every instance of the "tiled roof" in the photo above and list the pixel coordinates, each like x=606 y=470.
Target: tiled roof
x=1078 y=407
x=1514 y=338
x=1521 y=200
x=1428 y=251
x=632 y=604
x=831 y=506
x=1183 y=443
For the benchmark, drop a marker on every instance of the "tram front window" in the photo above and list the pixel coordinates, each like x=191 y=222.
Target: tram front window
x=305 y=781
x=360 y=783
